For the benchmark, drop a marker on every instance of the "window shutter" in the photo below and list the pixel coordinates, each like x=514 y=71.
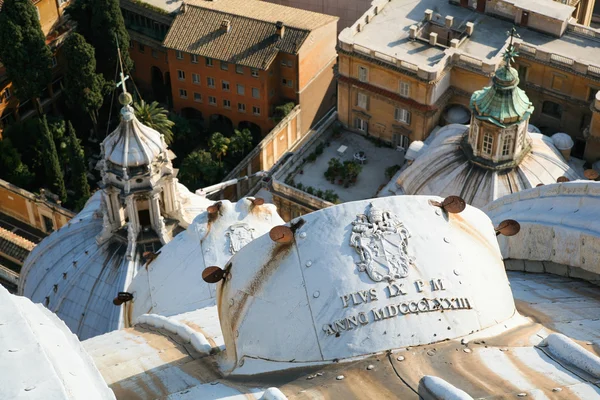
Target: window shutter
x=367 y=103
x=408 y=118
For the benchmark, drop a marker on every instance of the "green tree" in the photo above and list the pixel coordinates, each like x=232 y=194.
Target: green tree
x=84 y=88
x=24 y=52
x=199 y=169
x=100 y=22
x=218 y=145
x=155 y=117
x=54 y=174
x=241 y=141
x=12 y=168
x=79 y=180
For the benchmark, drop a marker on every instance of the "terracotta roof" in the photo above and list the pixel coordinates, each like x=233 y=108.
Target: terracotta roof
x=268 y=12
x=250 y=42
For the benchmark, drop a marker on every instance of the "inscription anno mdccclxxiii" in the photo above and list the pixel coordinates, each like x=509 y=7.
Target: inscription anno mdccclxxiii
x=396 y=309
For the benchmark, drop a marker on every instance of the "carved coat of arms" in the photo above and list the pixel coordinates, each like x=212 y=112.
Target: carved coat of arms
x=239 y=235
x=380 y=240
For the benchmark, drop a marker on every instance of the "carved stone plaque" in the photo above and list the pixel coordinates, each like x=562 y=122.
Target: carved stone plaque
x=380 y=240
x=239 y=235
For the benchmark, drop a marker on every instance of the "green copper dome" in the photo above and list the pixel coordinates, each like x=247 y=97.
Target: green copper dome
x=503 y=103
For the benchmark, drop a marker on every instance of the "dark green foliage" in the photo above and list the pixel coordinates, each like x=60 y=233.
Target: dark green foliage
x=23 y=50
x=100 y=22
x=346 y=173
x=156 y=117
x=241 y=141
x=54 y=176
x=12 y=168
x=79 y=181
x=390 y=171
x=84 y=88
x=320 y=148
x=219 y=145
x=282 y=111
x=187 y=136
x=199 y=169
x=26 y=139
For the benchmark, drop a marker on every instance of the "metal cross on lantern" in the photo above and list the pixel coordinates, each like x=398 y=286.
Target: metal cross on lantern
x=511 y=53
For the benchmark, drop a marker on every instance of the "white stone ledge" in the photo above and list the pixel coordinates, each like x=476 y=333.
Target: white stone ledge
x=188 y=334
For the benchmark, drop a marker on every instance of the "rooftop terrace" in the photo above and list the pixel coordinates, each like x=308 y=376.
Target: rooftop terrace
x=370 y=179
x=386 y=36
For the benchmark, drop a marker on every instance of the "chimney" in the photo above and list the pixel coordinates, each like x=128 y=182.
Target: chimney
x=413 y=31
x=428 y=14
x=449 y=21
x=433 y=38
x=470 y=28
x=280 y=29
x=226 y=25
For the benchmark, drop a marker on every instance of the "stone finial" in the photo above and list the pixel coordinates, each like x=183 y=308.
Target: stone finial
x=413 y=31
x=428 y=14
x=470 y=28
x=433 y=38
x=449 y=21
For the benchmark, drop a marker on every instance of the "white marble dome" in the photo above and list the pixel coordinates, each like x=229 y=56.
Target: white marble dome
x=562 y=141
x=444 y=169
x=133 y=144
x=172 y=283
x=360 y=278
x=40 y=358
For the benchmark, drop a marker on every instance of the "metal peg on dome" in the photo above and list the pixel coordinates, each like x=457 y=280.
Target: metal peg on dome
x=214 y=209
x=591 y=174
x=451 y=204
x=213 y=274
x=122 y=297
x=562 y=179
x=508 y=227
x=257 y=201
x=281 y=234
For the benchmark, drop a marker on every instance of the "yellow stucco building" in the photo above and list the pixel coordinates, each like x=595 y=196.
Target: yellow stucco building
x=404 y=68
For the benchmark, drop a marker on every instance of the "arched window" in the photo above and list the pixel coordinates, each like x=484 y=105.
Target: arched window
x=552 y=109
x=488 y=142
x=507 y=145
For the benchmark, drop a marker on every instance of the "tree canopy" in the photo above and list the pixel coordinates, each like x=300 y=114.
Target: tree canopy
x=23 y=50
x=84 y=88
x=100 y=22
x=54 y=174
x=79 y=181
x=199 y=169
x=219 y=145
x=156 y=117
x=241 y=141
x=12 y=168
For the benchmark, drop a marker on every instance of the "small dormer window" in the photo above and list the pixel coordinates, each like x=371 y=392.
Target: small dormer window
x=488 y=142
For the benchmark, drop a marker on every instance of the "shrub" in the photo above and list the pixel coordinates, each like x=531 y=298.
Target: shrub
x=310 y=190
x=319 y=149
x=312 y=157
x=391 y=171
x=300 y=186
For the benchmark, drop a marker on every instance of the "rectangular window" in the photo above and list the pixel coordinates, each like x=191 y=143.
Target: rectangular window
x=183 y=93
x=210 y=82
x=194 y=59
x=196 y=79
x=256 y=93
x=241 y=107
x=361 y=100
x=179 y=55
x=360 y=124
x=592 y=93
x=241 y=89
x=209 y=62
x=180 y=75
x=363 y=74
x=212 y=100
x=131 y=44
x=404 y=89
x=141 y=47
x=506 y=146
x=254 y=73
x=523 y=73
x=239 y=69
x=557 y=82
x=488 y=142
x=54 y=62
x=224 y=66
x=226 y=103
x=402 y=115
x=197 y=97
x=255 y=110
x=287 y=82
x=154 y=53
x=271 y=93
x=225 y=86
x=289 y=63
x=6 y=94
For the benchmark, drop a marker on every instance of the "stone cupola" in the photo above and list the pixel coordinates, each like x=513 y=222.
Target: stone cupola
x=138 y=182
x=500 y=115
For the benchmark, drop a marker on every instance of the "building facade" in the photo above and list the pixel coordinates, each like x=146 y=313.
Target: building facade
x=398 y=85
x=244 y=59
x=56 y=28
